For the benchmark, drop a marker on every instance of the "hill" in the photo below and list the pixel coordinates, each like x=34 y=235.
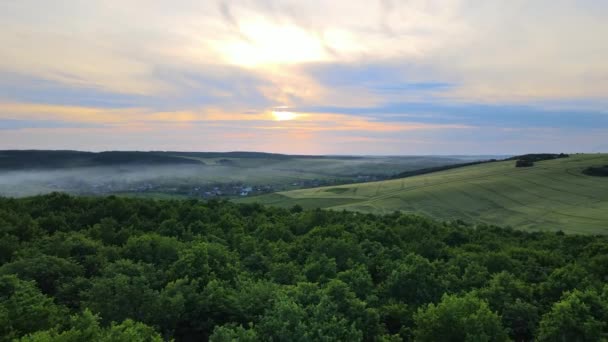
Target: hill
x=551 y=195
x=193 y=174
x=15 y=160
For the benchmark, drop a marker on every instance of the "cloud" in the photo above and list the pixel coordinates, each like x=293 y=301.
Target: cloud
x=355 y=68
x=479 y=115
x=15 y=87
x=495 y=50
x=15 y=124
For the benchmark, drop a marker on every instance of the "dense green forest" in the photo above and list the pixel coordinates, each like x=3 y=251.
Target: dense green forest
x=119 y=269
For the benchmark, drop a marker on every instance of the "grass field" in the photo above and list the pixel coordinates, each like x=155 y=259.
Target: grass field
x=552 y=195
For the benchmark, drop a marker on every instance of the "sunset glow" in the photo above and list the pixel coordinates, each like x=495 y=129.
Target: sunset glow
x=268 y=170
x=415 y=77
x=284 y=116
x=265 y=44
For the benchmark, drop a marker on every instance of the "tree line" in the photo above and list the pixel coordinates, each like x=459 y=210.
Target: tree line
x=598 y=171
x=528 y=160
x=118 y=269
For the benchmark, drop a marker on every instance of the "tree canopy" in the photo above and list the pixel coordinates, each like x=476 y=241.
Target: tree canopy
x=118 y=269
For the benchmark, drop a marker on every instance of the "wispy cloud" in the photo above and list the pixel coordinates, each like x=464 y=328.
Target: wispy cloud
x=16 y=124
x=364 y=71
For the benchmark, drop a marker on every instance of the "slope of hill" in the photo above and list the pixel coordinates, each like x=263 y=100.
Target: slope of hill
x=552 y=195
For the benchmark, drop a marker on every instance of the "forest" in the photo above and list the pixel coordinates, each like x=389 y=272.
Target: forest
x=126 y=269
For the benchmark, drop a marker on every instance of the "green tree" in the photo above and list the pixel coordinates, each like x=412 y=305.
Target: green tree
x=359 y=280
x=475 y=276
x=125 y=290
x=136 y=269
x=579 y=316
x=131 y=331
x=9 y=244
x=205 y=261
x=233 y=333
x=85 y=327
x=466 y=318
x=23 y=309
x=521 y=320
x=414 y=281
x=152 y=249
x=290 y=321
x=512 y=298
x=320 y=268
x=397 y=319
x=564 y=279
x=48 y=271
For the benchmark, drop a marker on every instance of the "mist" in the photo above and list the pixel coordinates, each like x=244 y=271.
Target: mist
x=213 y=177
x=92 y=180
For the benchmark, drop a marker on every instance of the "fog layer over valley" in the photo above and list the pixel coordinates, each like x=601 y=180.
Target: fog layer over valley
x=91 y=180
x=199 y=175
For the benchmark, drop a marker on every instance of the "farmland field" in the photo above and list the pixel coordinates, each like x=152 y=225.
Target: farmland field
x=552 y=195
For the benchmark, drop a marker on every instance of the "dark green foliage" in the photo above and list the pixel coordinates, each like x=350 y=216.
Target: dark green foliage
x=124 y=290
x=598 y=171
x=115 y=269
x=524 y=163
x=19 y=160
x=534 y=157
x=455 y=318
x=528 y=160
x=579 y=316
x=23 y=309
x=414 y=281
x=230 y=333
x=85 y=327
x=426 y=170
x=48 y=271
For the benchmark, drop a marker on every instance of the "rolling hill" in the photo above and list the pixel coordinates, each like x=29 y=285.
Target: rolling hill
x=20 y=160
x=552 y=195
x=194 y=174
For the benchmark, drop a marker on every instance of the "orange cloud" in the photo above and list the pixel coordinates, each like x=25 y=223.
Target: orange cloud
x=32 y=111
x=342 y=122
x=141 y=118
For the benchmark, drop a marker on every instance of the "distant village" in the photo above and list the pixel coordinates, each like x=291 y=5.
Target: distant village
x=211 y=190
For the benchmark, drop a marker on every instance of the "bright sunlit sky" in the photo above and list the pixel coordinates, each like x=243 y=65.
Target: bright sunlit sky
x=305 y=77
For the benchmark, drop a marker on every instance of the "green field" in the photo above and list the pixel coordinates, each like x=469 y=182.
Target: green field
x=552 y=195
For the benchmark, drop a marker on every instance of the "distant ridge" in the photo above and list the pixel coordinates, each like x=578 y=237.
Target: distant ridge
x=39 y=159
x=63 y=159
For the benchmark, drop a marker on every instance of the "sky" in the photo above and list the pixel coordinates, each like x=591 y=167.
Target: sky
x=380 y=77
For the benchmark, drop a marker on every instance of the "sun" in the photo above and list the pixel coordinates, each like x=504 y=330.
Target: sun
x=284 y=116
x=264 y=43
